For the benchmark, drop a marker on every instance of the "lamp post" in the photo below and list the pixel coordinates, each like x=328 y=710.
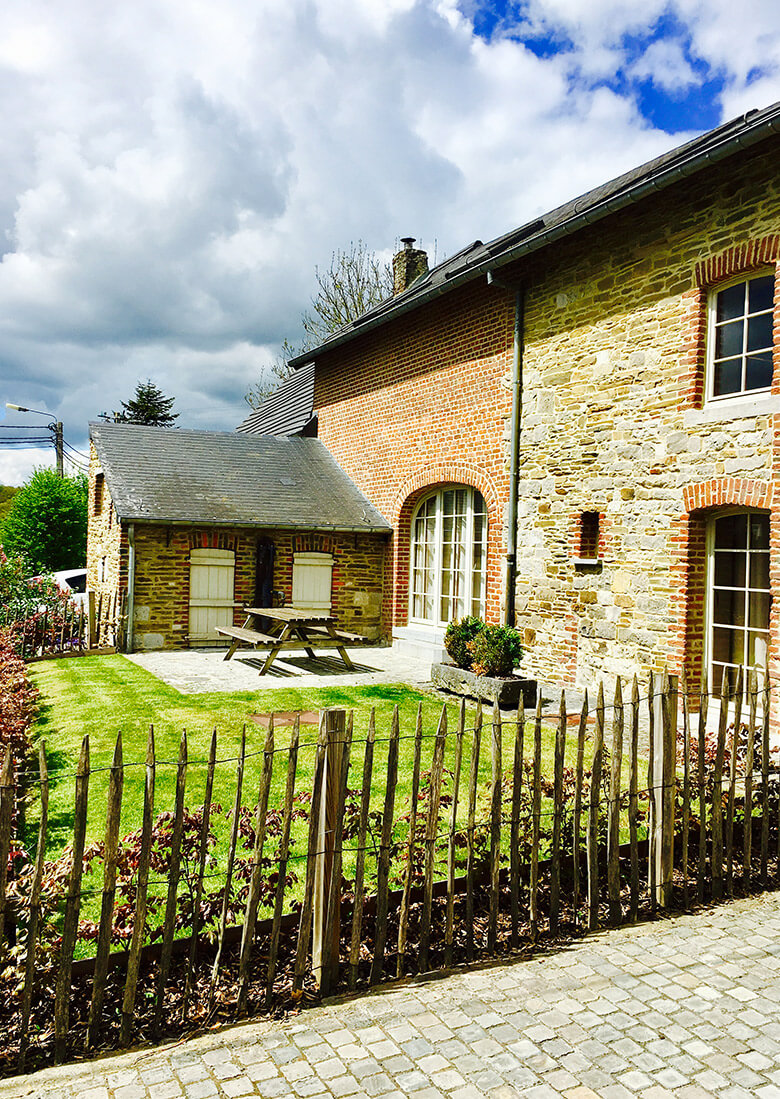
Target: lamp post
x=54 y=426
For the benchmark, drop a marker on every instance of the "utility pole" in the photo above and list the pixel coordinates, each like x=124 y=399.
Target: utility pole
x=59 y=448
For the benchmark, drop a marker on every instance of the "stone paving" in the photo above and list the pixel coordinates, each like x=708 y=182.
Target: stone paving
x=687 y=1007
x=198 y=671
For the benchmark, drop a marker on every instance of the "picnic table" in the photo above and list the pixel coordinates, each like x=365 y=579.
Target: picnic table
x=295 y=629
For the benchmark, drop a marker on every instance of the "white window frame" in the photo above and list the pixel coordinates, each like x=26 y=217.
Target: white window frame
x=468 y=568
x=712 y=300
x=710 y=624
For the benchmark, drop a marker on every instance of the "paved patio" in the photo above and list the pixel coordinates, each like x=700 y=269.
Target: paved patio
x=203 y=671
x=687 y=1007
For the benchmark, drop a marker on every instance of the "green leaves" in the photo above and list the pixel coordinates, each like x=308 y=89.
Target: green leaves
x=47 y=522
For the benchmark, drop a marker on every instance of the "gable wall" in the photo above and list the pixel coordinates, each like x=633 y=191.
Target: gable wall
x=420 y=403
x=613 y=423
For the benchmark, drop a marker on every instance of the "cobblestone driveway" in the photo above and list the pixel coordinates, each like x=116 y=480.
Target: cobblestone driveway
x=686 y=1007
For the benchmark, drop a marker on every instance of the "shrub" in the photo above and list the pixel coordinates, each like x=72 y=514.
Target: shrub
x=458 y=636
x=495 y=650
x=18 y=701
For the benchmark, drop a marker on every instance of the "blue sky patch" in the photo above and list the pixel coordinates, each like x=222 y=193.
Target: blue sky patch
x=692 y=106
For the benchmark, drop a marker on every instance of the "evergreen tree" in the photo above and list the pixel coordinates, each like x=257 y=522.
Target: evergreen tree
x=47 y=522
x=148 y=405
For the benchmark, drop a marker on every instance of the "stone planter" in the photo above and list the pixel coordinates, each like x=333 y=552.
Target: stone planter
x=506 y=692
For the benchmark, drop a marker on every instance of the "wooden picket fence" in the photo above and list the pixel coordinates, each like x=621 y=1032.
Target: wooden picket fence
x=653 y=809
x=73 y=630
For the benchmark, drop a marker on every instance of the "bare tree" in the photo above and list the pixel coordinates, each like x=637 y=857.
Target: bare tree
x=355 y=281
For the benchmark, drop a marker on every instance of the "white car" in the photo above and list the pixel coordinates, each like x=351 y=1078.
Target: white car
x=74 y=581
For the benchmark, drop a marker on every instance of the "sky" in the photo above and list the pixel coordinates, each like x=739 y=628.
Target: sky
x=175 y=173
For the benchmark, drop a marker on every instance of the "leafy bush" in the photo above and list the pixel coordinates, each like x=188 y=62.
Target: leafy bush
x=47 y=521
x=21 y=594
x=495 y=650
x=458 y=636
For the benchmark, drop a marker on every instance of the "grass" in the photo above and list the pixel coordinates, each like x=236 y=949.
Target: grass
x=104 y=695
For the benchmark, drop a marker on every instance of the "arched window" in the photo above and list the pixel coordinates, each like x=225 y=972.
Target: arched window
x=448 y=555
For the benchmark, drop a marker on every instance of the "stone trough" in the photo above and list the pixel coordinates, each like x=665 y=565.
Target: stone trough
x=507 y=692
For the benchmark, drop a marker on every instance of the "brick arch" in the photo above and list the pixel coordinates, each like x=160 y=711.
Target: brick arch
x=427 y=478
x=740 y=257
x=443 y=473
x=724 y=491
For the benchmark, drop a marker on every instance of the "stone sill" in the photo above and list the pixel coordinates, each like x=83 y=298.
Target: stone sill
x=587 y=563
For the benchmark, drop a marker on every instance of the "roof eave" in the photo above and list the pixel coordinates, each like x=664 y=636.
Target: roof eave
x=364 y=528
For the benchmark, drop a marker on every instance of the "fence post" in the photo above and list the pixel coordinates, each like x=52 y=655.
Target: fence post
x=665 y=778
x=91 y=636
x=325 y=939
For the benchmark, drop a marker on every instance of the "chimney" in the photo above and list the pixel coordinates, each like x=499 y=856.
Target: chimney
x=408 y=264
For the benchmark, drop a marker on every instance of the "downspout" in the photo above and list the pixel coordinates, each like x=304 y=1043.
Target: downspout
x=130 y=587
x=510 y=565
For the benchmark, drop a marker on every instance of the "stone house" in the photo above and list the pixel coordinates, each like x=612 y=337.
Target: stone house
x=575 y=428
x=194 y=525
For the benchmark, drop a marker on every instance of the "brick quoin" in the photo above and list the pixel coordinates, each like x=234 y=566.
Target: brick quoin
x=419 y=404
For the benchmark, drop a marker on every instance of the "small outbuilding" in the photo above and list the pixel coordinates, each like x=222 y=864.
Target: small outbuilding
x=194 y=525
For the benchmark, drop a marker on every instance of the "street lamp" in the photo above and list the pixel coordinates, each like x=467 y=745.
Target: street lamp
x=55 y=426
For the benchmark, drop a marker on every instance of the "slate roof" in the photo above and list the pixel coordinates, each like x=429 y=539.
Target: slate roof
x=476 y=259
x=169 y=475
x=288 y=411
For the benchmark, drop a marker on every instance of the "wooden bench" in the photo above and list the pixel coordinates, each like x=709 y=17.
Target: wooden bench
x=341 y=635
x=243 y=633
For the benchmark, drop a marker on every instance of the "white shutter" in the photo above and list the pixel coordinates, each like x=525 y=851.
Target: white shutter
x=212 y=573
x=312 y=578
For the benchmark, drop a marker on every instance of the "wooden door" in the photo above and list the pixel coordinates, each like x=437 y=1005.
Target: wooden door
x=312 y=577
x=211 y=594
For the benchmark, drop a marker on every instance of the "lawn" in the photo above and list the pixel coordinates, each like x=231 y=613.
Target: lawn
x=104 y=695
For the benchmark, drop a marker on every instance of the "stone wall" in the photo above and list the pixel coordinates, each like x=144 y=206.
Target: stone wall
x=614 y=422
x=106 y=540
x=163 y=564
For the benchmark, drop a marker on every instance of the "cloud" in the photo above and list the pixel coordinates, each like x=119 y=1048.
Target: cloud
x=173 y=174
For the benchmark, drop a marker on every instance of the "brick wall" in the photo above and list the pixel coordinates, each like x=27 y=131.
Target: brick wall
x=421 y=403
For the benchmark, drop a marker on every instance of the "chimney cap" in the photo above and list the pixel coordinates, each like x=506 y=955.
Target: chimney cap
x=408 y=242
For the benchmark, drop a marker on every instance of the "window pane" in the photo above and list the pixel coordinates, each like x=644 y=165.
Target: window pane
x=758 y=371
x=731 y=302
x=759 y=610
x=759 y=571
x=727 y=647
x=761 y=293
x=728 y=607
x=759 y=532
x=758 y=644
x=727 y=377
x=759 y=334
x=731 y=532
x=728 y=340
x=729 y=570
